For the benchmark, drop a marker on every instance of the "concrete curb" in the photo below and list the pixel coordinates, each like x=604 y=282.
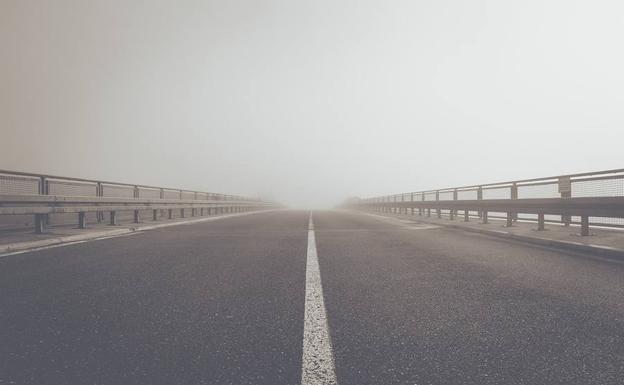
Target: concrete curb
x=605 y=251
x=24 y=246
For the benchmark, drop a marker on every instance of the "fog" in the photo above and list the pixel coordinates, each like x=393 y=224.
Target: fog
x=311 y=102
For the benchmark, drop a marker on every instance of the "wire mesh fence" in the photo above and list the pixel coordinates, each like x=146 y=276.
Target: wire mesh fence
x=609 y=183
x=117 y=191
x=21 y=184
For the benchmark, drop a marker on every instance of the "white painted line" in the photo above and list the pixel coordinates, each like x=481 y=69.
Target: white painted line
x=27 y=247
x=318 y=358
x=66 y=244
x=423 y=227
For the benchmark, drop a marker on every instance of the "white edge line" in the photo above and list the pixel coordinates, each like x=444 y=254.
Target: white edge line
x=27 y=247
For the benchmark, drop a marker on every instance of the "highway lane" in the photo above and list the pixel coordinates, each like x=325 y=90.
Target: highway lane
x=214 y=303
x=223 y=303
x=437 y=306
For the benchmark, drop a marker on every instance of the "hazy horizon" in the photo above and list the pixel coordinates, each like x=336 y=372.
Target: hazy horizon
x=309 y=103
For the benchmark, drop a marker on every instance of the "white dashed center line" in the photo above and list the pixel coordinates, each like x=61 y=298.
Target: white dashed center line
x=318 y=358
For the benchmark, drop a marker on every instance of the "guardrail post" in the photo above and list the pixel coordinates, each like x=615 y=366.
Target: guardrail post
x=484 y=217
x=113 y=218
x=584 y=225
x=453 y=211
x=82 y=220
x=480 y=198
x=565 y=189
x=99 y=192
x=514 y=195
x=41 y=219
x=412 y=202
x=39 y=223
x=155 y=215
x=162 y=196
x=170 y=214
x=181 y=213
x=421 y=209
x=509 y=219
x=466 y=216
x=540 y=221
x=438 y=199
x=137 y=216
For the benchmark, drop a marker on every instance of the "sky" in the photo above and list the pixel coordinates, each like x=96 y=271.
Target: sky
x=311 y=102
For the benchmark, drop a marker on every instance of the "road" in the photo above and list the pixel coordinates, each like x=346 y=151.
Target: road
x=226 y=302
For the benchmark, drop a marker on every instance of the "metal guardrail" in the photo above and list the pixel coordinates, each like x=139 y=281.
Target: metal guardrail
x=43 y=196
x=591 y=198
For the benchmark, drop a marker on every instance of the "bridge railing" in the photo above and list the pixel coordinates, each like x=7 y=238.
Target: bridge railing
x=587 y=199
x=40 y=200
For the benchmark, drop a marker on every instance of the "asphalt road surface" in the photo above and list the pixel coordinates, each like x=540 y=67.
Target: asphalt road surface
x=227 y=302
